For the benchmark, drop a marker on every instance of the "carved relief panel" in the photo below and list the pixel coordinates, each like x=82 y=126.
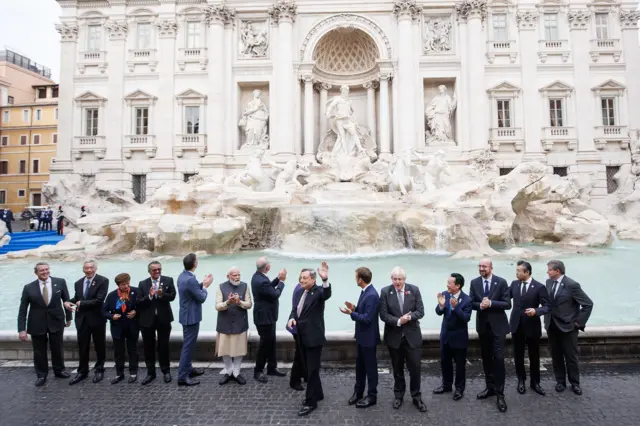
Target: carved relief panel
x=253 y=40
x=437 y=34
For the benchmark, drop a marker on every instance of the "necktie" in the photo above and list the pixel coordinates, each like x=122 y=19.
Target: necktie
x=401 y=299
x=155 y=287
x=450 y=299
x=45 y=293
x=553 y=289
x=86 y=288
x=486 y=287
x=524 y=289
x=301 y=303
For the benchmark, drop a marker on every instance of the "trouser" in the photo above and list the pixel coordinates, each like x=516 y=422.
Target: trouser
x=412 y=357
x=564 y=354
x=60 y=227
x=232 y=365
x=48 y=225
x=366 y=371
x=492 y=351
x=314 y=392
x=266 y=348
x=9 y=229
x=149 y=342
x=128 y=338
x=40 y=361
x=533 y=347
x=448 y=356
x=190 y=338
x=298 y=371
x=85 y=334
x=40 y=224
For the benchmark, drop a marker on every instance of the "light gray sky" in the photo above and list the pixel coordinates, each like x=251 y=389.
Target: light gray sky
x=28 y=26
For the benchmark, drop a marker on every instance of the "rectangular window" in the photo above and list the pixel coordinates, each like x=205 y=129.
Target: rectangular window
x=504 y=113
x=55 y=114
x=556 y=116
x=54 y=92
x=193 y=34
x=35 y=166
x=10 y=100
x=4 y=167
x=500 y=27
x=142 y=121
x=550 y=26
x=608 y=111
x=188 y=176
x=5 y=141
x=23 y=167
x=139 y=184
x=505 y=170
x=42 y=93
x=25 y=115
x=38 y=114
x=94 y=38
x=612 y=184
x=192 y=114
x=22 y=193
x=36 y=139
x=36 y=200
x=560 y=171
x=23 y=139
x=602 y=26
x=54 y=138
x=6 y=116
x=144 y=35
x=3 y=196
x=91 y=122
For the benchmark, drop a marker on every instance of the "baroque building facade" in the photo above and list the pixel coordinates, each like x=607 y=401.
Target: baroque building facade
x=160 y=90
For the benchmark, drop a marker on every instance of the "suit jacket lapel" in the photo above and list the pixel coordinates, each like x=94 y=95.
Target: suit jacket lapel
x=38 y=293
x=308 y=299
x=407 y=294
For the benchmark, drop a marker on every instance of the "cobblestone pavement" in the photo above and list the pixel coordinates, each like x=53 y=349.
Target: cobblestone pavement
x=611 y=396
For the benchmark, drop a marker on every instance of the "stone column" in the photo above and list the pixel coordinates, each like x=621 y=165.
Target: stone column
x=309 y=116
x=324 y=94
x=68 y=37
x=165 y=132
x=115 y=116
x=462 y=110
x=371 y=109
x=406 y=11
x=385 y=141
x=579 y=23
x=284 y=12
x=230 y=119
x=629 y=25
x=528 y=30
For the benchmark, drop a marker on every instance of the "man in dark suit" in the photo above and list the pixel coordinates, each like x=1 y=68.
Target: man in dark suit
x=7 y=217
x=365 y=315
x=307 y=315
x=90 y=293
x=43 y=298
x=401 y=309
x=155 y=295
x=455 y=307
x=266 y=293
x=192 y=296
x=530 y=302
x=570 y=311
x=298 y=369
x=490 y=298
x=120 y=309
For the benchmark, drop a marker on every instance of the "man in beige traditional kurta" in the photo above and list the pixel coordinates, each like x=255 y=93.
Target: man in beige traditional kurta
x=232 y=302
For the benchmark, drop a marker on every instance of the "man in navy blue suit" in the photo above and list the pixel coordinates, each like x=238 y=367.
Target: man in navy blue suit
x=192 y=296
x=455 y=307
x=490 y=298
x=365 y=315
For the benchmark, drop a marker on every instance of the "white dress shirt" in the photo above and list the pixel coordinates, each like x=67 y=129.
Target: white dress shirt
x=560 y=278
x=48 y=284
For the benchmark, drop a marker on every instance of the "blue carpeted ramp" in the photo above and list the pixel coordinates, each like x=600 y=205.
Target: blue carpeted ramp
x=30 y=240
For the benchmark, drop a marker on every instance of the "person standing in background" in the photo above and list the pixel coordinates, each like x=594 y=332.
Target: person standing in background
x=7 y=218
x=60 y=221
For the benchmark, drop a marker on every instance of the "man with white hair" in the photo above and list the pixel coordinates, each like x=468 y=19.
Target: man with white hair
x=232 y=302
x=401 y=309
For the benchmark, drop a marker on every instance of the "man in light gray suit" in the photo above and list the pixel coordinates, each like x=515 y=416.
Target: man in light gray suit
x=192 y=296
x=570 y=311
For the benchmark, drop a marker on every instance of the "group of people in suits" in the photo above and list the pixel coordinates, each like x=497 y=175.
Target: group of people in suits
x=45 y=219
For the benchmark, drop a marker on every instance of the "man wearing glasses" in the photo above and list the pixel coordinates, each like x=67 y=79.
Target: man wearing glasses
x=155 y=316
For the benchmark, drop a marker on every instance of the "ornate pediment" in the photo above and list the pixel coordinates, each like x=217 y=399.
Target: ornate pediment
x=139 y=95
x=191 y=95
x=504 y=87
x=88 y=97
x=610 y=86
x=557 y=86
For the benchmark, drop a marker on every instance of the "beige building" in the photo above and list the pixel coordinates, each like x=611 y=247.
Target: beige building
x=28 y=130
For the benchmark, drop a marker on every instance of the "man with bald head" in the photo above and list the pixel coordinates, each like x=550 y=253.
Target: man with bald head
x=490 y=297
x=266 y=293
x=232 y=302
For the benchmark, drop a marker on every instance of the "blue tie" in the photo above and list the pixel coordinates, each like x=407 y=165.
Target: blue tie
x=486 y=288
x=86 y=288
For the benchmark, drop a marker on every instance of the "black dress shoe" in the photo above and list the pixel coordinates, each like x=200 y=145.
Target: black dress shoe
x=397 y=403
x=167 y=377
x=365 y=402
x=225 y=379
x=537 y=389
x=502 y=405
x=78 y=378
x=420 y=405
x=306 y=410
x=276 y=372
x=576 y=389
x=560 y=387
x=260 y=377
x=148 y=380
x=188 y=382
x=62 y=375
x=441 y=390
x=41 y=381
x=133 y=378
x=97 y=378
x=195 y=372
x=297 y=386
x=354 y=398
x=457 y=395
x=486 y=394
x=521 y=388
x=117 y=379
x=240 y=380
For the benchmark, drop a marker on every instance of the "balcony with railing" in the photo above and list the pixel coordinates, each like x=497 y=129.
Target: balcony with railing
x=563 y=134
x=190 y=142
x=548 y=48
x=142 y=57
x=501 y=136
x=501 y=48
x=141 y=143
x=89 y=144
x=604 y=134
x=193 y=55
x=604 y=47
x=92 y=58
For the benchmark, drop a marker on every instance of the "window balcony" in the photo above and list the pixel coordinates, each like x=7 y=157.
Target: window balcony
x=502 y=48
x=553 y=135
x=142 y=57
x=190 y=142
x=94 y=58
x=502 y=136
x=89 y=144
x=193 y=55
x=142 y=143
x=548 y=48
x=606 y=134
x=600 y=47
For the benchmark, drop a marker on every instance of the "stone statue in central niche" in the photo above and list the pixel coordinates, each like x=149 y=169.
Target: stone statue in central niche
x=439 y=113
x=254 y=122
